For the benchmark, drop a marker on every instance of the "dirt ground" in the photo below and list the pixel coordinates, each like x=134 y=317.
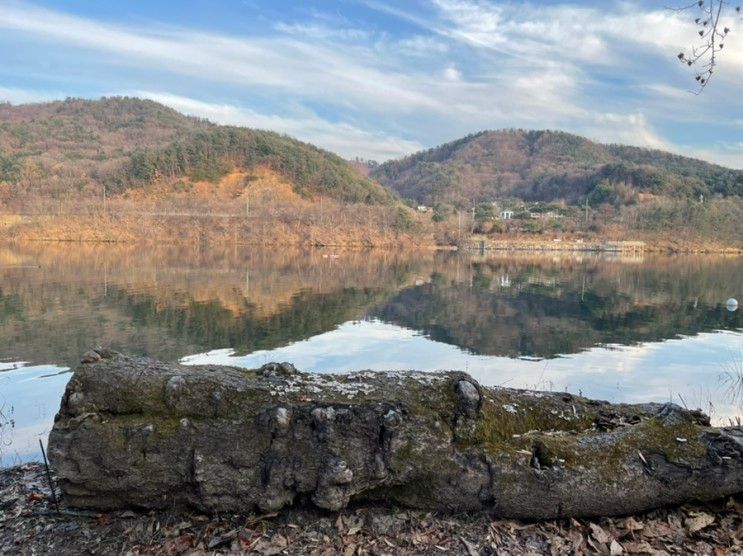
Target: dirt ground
x=29 y=524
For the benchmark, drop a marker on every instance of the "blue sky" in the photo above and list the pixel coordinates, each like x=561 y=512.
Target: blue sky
x=382 y=78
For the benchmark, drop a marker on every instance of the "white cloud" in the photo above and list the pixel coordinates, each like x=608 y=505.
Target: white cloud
x=339 y=137
x=452 y=74
x=324 y=32
x=725 y=155
x=420 y=46
x=626 y=129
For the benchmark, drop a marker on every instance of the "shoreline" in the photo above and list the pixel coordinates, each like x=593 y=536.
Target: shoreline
x=30 y=525
x=499 y=246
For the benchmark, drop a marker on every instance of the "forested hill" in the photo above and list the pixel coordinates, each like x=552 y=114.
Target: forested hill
x=547 y=166
x=74 y=147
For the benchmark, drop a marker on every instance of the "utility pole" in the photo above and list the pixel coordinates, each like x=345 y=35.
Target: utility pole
x=247 y=207
x=586 y=210
x=105 y=209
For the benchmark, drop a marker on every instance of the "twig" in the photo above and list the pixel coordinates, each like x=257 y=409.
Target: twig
x=49 y=477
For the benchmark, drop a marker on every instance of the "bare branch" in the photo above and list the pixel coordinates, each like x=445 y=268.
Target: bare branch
x=712 y=35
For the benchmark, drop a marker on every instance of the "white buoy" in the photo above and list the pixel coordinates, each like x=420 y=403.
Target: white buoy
x=732 y=304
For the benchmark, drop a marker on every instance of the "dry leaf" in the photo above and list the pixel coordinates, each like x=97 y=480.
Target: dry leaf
x=642 y=548
x=632 y=524
x=615 y=549
x=698 y=521
x=471 y=548
x=35 y=497
x=599 y=534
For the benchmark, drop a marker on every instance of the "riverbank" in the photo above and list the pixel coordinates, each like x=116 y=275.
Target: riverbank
x=598 y=245
x=29 y=524
x=357 y=239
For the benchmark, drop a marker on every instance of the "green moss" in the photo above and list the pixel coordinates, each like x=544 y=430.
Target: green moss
x=506 y=416
x=558 y=432
x=608 y=453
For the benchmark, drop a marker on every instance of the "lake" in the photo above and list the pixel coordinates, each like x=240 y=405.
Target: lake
x=633 y=329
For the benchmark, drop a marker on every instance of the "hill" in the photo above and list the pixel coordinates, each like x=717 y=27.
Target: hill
x=140 y=170
x=76 y=146
x=550 y=166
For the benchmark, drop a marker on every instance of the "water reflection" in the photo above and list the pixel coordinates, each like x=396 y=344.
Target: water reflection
x=542 y=308
x=630 y=329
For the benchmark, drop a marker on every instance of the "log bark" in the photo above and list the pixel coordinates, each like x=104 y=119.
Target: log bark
x=134 y=432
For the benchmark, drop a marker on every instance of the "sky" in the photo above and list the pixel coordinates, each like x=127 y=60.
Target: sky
x=380 y=79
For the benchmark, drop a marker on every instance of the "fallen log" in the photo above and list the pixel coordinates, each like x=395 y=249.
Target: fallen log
x=134 y=432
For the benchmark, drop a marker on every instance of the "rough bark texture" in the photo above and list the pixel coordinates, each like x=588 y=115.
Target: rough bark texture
x=136 y=432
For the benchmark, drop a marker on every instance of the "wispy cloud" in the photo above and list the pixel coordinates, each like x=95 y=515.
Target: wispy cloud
x=278 y=62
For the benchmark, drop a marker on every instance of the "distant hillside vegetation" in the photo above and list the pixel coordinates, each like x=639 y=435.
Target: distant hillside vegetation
x=549 y=166
x=75 y=147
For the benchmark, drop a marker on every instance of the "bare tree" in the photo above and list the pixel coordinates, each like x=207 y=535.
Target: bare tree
x=713 y=30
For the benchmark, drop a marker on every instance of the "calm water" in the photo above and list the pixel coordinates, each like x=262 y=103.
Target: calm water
x=637 y=329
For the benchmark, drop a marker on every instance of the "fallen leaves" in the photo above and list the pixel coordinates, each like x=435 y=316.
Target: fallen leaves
x=28 y=524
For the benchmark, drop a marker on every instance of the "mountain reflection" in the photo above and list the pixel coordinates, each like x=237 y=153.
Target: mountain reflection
x=57 y=300
x=542 y=307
